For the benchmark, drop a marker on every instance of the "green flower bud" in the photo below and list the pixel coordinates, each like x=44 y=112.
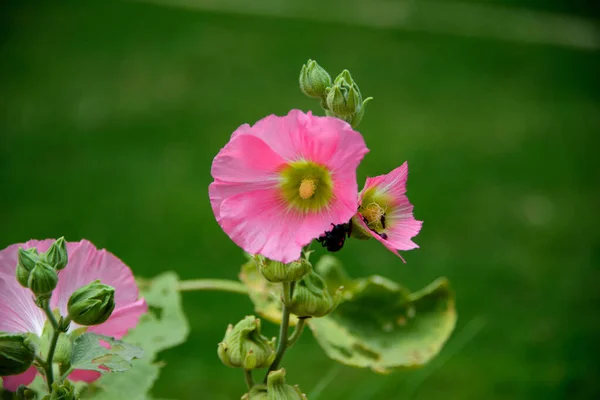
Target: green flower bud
x=91 y=304
x=277 y=389
x=244 y=347
x=42 y=279
x=62 y=391
x=16 y=354
x=275 y=271
x=311 y=297
x=314 y=80
x=24 y=393
x=57 y=256
x=258 y=392
x=26 y=262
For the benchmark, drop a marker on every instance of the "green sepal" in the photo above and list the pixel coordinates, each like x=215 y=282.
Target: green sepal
x=91 y=304
x=314 y=79
x=312 y=298
x=62 y=391
x=244 y=347
x=277 y=389
x=42 y=279
x=276 y=271
x=56 y=256
x=17 y=352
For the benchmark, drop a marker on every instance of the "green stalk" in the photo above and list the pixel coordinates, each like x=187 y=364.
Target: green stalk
x=48 y=367
x=249 y=378
x=282 y=345
x=297 y=332
x=213 y=284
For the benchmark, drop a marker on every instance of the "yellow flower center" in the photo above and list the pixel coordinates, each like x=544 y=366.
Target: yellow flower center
x=374 y=208
x=373 y=213
x=306 y=186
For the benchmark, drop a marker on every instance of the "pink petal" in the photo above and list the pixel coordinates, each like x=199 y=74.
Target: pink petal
x=350 y=150
x=247 y=159
x=259 y=223
x=385 y=242
x=122 y=320
x=219 y=191
x=84 y=375
x=86 y=264
x=18 y=312
x=12 y=382
x=393 y=184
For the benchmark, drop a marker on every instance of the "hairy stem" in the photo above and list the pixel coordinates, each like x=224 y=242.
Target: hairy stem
x=249 y=378
x=288 y=291
x=213 y=284
x=297 y=332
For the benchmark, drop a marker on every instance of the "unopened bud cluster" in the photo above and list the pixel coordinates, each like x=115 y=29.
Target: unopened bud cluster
x=62 y=391
x=341 y=99
x=38 y=272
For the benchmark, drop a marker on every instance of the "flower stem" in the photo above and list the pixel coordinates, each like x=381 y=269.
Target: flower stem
x=297 y=332
x=65 y=374
x=49 y=366
x=213 y=284
x=249 y=378
x=288 y=291
x=50 y=315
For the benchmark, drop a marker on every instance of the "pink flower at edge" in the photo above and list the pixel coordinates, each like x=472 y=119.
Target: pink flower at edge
x=19 y=314
x=282 y=182
x=385 y=212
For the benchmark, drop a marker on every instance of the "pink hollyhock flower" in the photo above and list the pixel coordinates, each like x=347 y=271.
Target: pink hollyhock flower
x=385 y=212
x=19 y=314
x=281 y=183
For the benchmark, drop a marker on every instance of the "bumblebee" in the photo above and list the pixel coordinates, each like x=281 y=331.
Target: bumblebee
x=334 y=239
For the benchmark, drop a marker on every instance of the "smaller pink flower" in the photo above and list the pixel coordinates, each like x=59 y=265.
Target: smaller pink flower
x=19 y=314
x=284 y=181
x=385 y=213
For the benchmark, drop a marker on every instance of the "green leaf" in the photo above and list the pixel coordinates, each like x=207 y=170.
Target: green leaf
x=164 y=325
x=381 y=325
x=90 y=354
x=265 y=295
x=130 y=386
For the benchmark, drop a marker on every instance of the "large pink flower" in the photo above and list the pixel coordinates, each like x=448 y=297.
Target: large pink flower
x=19 y=314
x=282 y=182
x=385 y=212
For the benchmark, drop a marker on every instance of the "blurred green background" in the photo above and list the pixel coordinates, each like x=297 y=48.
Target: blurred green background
x=111 y=113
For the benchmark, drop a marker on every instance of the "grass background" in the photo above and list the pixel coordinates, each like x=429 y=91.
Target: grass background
x=111 y=113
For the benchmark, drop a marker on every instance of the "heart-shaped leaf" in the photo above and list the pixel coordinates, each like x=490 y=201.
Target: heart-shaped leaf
x=165 y=324
x=381 y=325
x=103 y=353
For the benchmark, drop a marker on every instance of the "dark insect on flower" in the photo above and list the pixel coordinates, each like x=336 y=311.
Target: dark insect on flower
x=334 y=239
